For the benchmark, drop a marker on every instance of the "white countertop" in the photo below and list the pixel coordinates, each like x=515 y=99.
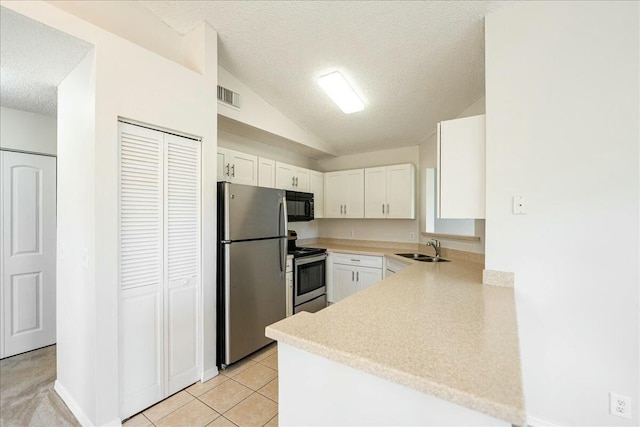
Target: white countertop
x=432 y=327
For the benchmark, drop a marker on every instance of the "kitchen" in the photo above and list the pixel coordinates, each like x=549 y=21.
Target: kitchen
x=550 y=249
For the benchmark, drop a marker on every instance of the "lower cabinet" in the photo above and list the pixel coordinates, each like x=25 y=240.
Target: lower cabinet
x=352 y=273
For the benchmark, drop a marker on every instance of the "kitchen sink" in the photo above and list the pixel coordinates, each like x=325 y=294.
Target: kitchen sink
x=423 y=258
x=432 y=259
x=414 y=256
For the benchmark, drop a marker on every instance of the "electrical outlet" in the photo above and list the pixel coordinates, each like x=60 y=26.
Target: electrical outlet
x=412 y=236
x=351 y=233
x=620 y=405
x=519 y=205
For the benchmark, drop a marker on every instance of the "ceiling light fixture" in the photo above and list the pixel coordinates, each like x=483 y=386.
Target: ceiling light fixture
x=340 y=92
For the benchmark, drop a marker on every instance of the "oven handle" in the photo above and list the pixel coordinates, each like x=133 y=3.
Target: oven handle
x=309 y=259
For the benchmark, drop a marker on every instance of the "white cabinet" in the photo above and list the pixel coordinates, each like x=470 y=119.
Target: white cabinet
x=393 y=266
x=266 y=172
x=289 y=177
x=352 y=273
x=390 y=192
x=344 y=194
x=316 y=186
x=159 y=265
x=461 y=168
x=237 y=167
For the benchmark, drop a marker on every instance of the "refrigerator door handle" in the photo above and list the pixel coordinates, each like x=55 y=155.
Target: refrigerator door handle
x=282 y=229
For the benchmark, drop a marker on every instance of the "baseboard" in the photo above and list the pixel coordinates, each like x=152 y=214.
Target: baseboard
x=537 y=422
x=209 y=373
x=73 y=406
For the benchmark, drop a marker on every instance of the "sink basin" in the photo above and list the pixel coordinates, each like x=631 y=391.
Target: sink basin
x=432 y=259
x=423 y=258
x=414 y=256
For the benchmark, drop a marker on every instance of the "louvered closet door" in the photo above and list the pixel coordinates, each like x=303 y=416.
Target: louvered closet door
x=141 y=267
x=182 y=230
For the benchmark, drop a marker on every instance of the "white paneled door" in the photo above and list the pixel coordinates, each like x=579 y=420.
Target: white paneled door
x=28 y=252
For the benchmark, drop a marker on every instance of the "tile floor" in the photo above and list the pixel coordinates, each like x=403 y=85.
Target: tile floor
x=245 y=394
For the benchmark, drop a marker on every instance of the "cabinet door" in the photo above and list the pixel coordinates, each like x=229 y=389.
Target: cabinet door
x=354 y=204
x=316 y=186
x=244 y=168
x=375 y=197
x=182 y=260
x=223 y=165
x=344 y=283
x=302 y=179
x=266 y=173
x=367 y=276
x=285 y=178
x=461 y=168
x=289 y=294
x=400 y=191
x=334 y=190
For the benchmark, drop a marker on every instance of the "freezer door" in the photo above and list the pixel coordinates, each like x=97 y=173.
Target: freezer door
x=253 y=212
x=254 y=294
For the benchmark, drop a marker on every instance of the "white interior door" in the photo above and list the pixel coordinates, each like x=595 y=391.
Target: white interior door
x=28 y=254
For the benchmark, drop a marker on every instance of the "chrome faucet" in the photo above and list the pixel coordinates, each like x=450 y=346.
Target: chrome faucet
x=436 y=245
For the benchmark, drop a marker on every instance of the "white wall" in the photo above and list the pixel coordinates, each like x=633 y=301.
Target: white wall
x=130 y=20
x=392 y=230
x=134 y=83
x=563 y=102
x=26 y=131
x=75 y=297
x=258 y=113
x=262 y=149
x=428 y=159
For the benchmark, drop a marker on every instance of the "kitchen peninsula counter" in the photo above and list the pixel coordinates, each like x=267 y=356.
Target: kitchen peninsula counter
x=433 y=328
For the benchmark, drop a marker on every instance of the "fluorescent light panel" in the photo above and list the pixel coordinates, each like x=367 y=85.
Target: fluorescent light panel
x=340 y=92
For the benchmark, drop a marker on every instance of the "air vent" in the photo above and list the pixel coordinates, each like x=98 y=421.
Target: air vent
x=228 y=97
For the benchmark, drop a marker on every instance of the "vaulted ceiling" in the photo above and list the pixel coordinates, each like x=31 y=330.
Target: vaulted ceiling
x=413 y=63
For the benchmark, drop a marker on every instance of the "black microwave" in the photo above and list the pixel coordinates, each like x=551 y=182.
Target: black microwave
x=299 y=206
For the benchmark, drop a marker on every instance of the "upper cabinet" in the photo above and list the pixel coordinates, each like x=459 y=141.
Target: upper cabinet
x=237 y=167
x=316 y=186
x=266 y=172
x=390 y=192
x=294 y=178
x=461 y=168
x=344 y=194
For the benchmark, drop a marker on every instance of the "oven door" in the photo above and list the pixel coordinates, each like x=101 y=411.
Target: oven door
x=310 y=278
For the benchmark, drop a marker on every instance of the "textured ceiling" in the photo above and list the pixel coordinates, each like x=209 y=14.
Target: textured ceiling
x=413 y=63
x=34 y=59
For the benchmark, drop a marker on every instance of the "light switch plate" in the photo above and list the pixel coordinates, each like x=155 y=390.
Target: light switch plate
x=519 y=205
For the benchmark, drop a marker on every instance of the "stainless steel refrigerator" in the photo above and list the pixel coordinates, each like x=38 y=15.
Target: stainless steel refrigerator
x=252 y=251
